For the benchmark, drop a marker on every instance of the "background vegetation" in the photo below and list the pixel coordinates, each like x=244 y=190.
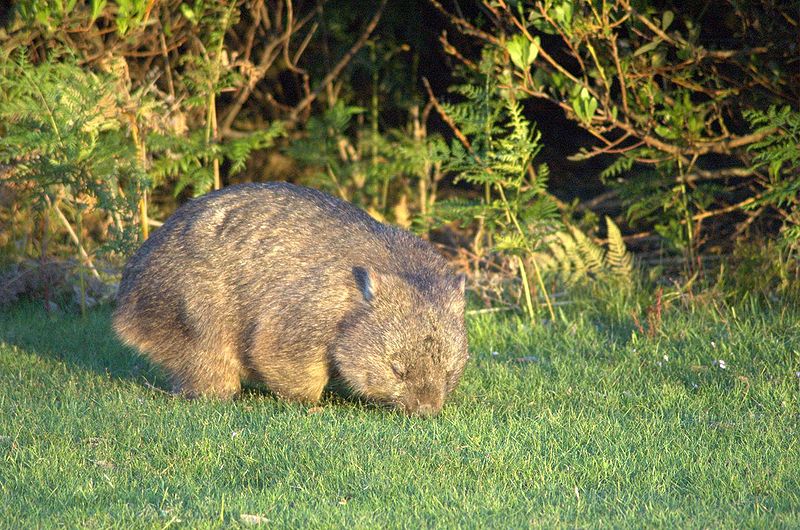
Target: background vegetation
x=541 y=144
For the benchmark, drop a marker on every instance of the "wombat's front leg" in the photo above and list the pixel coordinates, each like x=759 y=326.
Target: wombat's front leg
x=298 y=381
x=207 y=373
x=291 y=362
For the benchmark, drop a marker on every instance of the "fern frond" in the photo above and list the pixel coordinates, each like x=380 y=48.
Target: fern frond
x=592 y=253
x=574 y=266
x=618 y=259
x=620 y=165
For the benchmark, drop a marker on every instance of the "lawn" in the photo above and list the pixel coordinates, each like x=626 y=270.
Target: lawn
x=577 y=424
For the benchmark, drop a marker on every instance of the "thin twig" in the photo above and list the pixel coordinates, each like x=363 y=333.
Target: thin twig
x=167 y=67
x=451 y=50
x=266 y=58
x=345 y=60
x=74 y=237
x=446 y=118
x=491 y=310
x=151 y=386
x=734 y=172
x=727 y=209
x=463 y=25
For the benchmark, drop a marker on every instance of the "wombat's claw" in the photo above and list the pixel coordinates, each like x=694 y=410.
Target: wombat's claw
x=425 y=410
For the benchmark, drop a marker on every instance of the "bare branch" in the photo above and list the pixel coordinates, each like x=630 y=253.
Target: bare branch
x=64 y=221
x=334 y=73
x=464 y=26
x=447 y=119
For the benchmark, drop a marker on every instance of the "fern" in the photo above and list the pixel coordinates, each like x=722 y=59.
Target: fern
x=576 y=258
x=189 y=159
x=515 y=213
x=621 y=165
x=64 y=139
x=569 y=259
x=593 y=255
x=780 y=152
x=618 y=260
x=503 y=144
x=779 y=149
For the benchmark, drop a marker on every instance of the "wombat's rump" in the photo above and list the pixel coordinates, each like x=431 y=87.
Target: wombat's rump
x=291 y=287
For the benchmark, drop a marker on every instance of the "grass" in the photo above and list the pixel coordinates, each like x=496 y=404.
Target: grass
x=578 y=424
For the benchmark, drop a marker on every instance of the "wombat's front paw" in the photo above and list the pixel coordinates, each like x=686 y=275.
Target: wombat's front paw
x=309 y=391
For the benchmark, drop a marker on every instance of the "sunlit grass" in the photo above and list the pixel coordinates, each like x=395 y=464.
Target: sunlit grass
x=574 y=424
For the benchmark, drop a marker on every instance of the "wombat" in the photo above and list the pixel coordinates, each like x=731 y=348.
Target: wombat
x=292 y=287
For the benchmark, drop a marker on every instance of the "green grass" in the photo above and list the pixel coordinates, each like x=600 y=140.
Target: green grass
x=578 y=424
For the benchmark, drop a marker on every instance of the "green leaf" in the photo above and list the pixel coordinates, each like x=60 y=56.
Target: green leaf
x=666 y=19
x=562 y=13
x=584 y=105
x=578 y=108
x=590 y=107
x=97 y=8
x=665 y=132
x=189 y=13
x=522 y=51
x=533 y=49
x=695 y=124
x=647 y=47
x=775 y=168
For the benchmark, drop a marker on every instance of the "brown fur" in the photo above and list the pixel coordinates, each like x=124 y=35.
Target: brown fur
x=291 y=287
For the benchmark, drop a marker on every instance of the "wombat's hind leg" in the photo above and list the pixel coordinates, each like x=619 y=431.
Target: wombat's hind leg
x=207 y=374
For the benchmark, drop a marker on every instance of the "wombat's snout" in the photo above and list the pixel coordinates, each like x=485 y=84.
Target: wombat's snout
x=423 y=407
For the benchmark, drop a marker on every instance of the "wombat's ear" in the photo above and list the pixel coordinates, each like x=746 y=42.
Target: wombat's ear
x=366 y=281
x=456 y=303
x=461 y=281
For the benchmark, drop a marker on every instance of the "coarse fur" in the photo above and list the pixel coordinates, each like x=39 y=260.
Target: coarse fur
x=292 y=287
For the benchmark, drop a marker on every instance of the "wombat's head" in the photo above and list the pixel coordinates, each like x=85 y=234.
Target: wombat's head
x=405 y=343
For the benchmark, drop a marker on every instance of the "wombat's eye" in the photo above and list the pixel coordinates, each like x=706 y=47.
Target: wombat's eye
x=399 y=370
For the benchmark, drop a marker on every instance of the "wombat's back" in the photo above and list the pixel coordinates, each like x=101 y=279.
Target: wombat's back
x=271 y=231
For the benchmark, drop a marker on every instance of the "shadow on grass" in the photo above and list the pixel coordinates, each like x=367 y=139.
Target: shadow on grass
x=84 y=343
x=88 y=343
